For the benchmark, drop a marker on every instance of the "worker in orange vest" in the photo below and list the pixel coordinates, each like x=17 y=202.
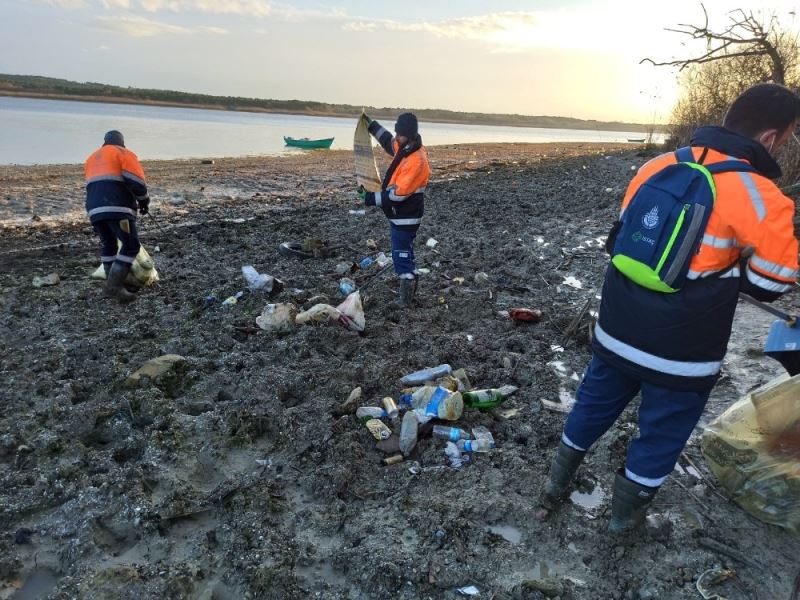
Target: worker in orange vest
x=669 y=345
x=115 y=189
x=402 y=195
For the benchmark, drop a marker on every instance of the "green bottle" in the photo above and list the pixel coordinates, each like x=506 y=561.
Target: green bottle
x=490 y=398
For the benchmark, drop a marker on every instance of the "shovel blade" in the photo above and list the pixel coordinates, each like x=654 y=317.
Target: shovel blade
x=783 y=344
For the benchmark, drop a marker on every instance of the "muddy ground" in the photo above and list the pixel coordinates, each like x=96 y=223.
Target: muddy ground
x=239 y=476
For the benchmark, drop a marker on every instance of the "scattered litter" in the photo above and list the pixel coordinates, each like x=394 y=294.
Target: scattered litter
x=365 y=413
x=378 y=429
x=277 y=317
x=564 y=406
x=432 y=402
x=358 y=212
x=481 y=278
x=393 y=460
x=372 y=244
x=382 y=260
x=154 y=369
x=349 y=314
x=489 y=398
x=231 y=300
x=365 y=262
x=51 y=279
x=573 y=282
x=408 y=432
x=347 y=286
x=458 y=280
x=469 y=590
x=431 y=243
x=609 y=190
x=454 y=454
x=712 y=577
x=415 y=469
x=261 y=281
x=264 y=462
x=470 y=337
x=509 y=413
x=452 y=434
x=525 y=314
x=343 y=267
x=390 y=407
x=423 y=271
x=429 y=374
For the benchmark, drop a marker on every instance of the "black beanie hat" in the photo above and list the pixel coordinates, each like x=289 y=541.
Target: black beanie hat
x=114 y=138
x=406 y=125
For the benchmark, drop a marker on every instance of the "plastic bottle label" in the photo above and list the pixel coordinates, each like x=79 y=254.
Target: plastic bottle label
x=432 y=408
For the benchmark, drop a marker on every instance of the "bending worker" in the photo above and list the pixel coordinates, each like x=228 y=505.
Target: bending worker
x=402 y=195
x=669 y=345
x=115 y=188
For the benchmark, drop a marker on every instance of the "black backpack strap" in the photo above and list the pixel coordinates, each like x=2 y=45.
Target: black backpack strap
x=730 y=165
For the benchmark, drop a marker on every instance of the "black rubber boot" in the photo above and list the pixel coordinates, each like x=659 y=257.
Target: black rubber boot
x=408 y=288
x=130 y=283
x=629 y=505
x=562 y=470
x=115 y=283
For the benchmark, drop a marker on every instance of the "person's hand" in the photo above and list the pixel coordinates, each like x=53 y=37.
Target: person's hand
x=362 y=193
x=144 y=205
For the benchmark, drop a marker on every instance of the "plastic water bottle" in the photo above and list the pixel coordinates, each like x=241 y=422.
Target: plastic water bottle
x=488 y=398
x=474 y=445
x=452 y=434
x=347 y=286
x=429 y=374
x=370 y=412
x=408 y=432
x=231 y=300
x=479 y=432
x=404 y=401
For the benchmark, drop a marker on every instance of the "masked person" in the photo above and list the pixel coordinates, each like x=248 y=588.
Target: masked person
x=115 y=188
x=402 y=195
x=669 y=344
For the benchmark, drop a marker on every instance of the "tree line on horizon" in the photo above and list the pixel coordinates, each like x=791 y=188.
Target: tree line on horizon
x=36 y=84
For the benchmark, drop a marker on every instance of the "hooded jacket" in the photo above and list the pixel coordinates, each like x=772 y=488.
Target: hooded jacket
x=114 y=181
x=679 y=340
x=402 y=195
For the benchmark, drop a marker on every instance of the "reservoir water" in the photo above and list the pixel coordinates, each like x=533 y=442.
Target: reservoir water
x=37 y=131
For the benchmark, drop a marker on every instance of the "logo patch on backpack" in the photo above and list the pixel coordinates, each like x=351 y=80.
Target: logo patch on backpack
x=661 y=229
x=650 y=220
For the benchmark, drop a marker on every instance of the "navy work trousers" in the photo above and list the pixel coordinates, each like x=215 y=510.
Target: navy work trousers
x=403 y=250
x=666 y=419
x=112 y=231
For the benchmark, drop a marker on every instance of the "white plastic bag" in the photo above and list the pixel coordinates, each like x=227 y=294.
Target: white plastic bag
x=143 y=270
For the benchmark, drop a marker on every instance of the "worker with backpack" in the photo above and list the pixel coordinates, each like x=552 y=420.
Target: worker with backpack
x=697 y=226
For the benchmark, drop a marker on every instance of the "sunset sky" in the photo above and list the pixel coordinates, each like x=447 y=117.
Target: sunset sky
x=567 y=58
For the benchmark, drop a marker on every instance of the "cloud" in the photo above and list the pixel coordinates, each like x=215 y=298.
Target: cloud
x=213 y=30
x=138 y=26
x=68 y=4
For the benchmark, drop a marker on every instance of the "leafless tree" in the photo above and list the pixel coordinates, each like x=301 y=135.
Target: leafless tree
x=745 y=36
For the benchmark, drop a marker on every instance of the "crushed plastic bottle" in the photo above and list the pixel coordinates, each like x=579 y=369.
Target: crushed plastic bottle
x=382 y=259
x=437 y=402
x=488 y=398
x=365 y=413
x=449 y=433
x=365 y=262
x=479 y=432
x=429 y=374
x=347 y=286
x=408 y=432
x=258 y=281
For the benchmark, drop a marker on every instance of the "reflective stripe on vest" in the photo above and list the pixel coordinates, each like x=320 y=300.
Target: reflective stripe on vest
x=653 y=362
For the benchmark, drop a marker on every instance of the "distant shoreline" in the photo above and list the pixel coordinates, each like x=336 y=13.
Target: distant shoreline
x=629 y=127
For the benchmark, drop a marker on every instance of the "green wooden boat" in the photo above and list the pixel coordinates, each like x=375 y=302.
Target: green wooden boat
x=307 y=143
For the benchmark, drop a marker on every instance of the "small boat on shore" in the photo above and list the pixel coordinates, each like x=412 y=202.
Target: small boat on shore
x=307 y=143
x=636 y=140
